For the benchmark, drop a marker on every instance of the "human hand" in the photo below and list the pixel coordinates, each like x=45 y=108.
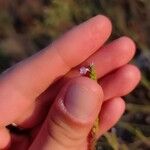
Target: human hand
x=29 y=90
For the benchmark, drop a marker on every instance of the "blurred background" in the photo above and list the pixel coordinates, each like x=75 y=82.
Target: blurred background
x=26 y=26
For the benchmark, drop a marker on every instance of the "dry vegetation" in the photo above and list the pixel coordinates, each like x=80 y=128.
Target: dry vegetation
x=29 y=25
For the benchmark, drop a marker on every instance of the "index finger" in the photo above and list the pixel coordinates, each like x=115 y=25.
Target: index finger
x=28 y=79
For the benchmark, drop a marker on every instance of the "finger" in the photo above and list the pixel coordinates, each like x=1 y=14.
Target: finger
x=121 y=82
x=57 y=59
x=110 y=113
x=109 y=58
x=4 y=138
x=24 y=82
x=113 y=56
x=71 y=117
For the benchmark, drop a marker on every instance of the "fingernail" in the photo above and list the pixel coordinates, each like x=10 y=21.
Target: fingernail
x=81 y=101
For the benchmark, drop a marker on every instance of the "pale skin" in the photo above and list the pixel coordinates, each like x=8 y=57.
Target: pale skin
x=27 y=95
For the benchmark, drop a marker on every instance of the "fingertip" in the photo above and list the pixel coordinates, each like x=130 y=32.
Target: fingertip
x=89 y=84
x=130 y=76
x=121 y=82
x=78 y=98
x=119 y=103
x=110 y=106
x=131 y=73
x=103 y=21
x=110 y=113
x=129 y=40
x=99 y=29
x=84 y=39
x=128 y=46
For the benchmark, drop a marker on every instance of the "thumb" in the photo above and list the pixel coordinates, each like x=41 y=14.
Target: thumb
x=71 y=117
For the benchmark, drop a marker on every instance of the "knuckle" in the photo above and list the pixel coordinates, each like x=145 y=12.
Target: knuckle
x=63 y=134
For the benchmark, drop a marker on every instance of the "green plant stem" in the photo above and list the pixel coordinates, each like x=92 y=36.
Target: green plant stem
x=95 y=127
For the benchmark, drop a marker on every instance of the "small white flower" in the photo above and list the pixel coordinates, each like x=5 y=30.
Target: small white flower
x=84 y=70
